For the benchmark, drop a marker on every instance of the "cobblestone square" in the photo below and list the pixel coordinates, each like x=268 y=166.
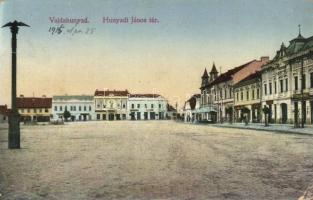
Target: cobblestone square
x=154 y=160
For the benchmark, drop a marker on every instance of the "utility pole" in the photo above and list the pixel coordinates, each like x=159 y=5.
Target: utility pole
x=14 y=118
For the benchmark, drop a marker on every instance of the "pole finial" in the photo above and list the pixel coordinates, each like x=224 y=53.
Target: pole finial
x=299 y=25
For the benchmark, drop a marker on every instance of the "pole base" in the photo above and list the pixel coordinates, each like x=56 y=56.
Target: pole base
x=14 y=131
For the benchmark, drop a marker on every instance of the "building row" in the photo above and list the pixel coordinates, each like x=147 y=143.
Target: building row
x=282 y=85
x=103 y=105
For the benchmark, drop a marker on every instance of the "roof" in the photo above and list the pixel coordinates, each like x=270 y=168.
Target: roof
x=205 y=74
x=4 y=110
x=228 y=75
x=111 y=93
x=213 y=70
x=193 y=101
x=71 y=97
x=170 y=108
x=33 y=102
x=296 y=45
x=250 y=78
x=145 y=95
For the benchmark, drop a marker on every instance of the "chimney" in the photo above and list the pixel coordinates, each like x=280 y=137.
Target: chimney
x=21 y=95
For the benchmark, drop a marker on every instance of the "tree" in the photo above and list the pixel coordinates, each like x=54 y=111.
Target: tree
x=229 y=112
x=245 y=111
x=266 y=112
x=66 y=115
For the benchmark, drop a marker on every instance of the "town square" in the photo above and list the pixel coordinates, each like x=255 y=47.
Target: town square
x=139 y=99
x=154 y=160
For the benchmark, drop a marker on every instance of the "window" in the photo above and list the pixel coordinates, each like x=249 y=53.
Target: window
x=55 y=108
x=160 y=105
x=286 y=82
x=80 y=108
x=35 y=110
x=133 y=106
x=65 y=107
x=311 y=79
x=85 y=108
x=303 y=81
x=253 y=94
x=221 y=94
x=247 y=94
x=230 y=93
x=296 y=82
x=89 y=108
x=124 y=106
x=28 y=110
x=151 y=105
x=138 y=105
x=40 y=110
x=225 y=91
x=265 y=89
x=258 y=93
x=281 y=86
x=241 y=96
x=60 y=108
x=270 y=88
x=46 y=110
x=146 y=106
x=237 y=94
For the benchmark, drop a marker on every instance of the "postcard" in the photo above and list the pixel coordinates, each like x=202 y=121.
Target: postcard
x=158 y=99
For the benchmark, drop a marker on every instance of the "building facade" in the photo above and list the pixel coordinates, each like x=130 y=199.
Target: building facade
x=191 y=109
x=111 y=104
x=247 y=99
x=81 y=107
x=34 y=109
x=4 y=114
x=217 y=93
x=287 y=83
x=147 y=107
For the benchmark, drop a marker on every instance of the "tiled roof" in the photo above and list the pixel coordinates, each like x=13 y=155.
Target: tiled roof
x=145 y=95
x=71 y=97
x=111 y=92
x=33 y=102
x=250 y=77
x=228 y=75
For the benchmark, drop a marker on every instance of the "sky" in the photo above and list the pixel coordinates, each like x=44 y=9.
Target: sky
x=167 y=57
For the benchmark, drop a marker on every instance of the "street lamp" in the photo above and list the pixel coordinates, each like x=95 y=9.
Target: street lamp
x=14 y=121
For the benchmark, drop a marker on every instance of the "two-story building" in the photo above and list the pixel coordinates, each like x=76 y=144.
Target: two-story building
x=191 y=109
x=287 y=83
x=247 y=99
x=219 y=91
x=111 y=104
x=34 y=109
x=147 y=107
x=81 y=107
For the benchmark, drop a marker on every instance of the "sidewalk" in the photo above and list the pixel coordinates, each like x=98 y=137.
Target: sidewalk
x=282 y=128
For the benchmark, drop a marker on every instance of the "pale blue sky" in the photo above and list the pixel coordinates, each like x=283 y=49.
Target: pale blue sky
x=167 y=58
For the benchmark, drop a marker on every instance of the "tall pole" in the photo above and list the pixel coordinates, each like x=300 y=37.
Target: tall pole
x=14 y=119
